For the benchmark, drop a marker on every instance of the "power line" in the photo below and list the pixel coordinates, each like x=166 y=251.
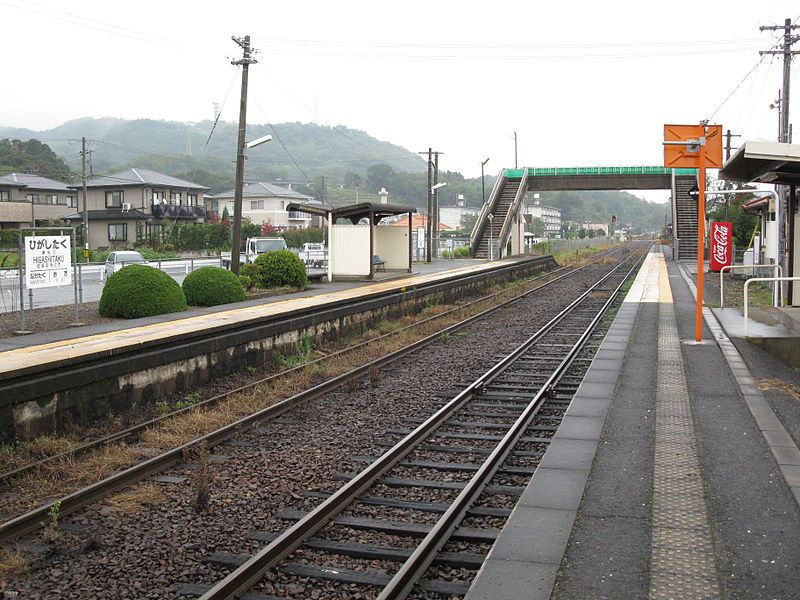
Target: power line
x=280 y=141
x=88 y=23
x=738 y=85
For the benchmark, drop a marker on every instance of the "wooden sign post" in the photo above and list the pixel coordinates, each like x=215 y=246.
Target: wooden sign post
x=698 y=147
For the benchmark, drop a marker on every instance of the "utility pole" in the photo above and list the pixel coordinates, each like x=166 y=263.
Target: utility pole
x=433 y=204
x=429 y=193
x=435 y=224
x=85 y=209
x=236 y=234
x=515 y=150
x=786 y=202
x=787 y=52
x=728 y=136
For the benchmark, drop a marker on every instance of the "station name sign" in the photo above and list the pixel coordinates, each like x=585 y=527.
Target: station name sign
x=48 y=261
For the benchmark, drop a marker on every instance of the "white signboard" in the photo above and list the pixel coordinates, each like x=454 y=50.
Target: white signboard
x=48 y=261
x=421 y=238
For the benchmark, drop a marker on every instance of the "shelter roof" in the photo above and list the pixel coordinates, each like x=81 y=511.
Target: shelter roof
x=353 y=212
x=764 y=162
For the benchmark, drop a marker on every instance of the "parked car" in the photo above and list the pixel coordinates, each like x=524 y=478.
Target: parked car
x=117 y=260
x=314 y=254
x=254 y=248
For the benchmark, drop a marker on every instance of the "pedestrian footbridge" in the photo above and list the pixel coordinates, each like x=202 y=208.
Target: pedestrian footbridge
x=501 y=212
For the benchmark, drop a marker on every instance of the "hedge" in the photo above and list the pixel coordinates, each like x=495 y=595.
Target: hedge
x=141 y=291
x=278 y=268
x=212 y=286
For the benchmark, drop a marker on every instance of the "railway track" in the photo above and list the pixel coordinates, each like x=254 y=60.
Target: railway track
x=32 y=520
x=472 y=458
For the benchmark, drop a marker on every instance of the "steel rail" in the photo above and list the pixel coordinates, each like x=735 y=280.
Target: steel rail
x=32 y=520
x=248 y=574
x=133 y=430
x=423 y=556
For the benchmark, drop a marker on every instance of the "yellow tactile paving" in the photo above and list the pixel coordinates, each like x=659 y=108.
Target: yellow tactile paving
x=125 y=339
x=682 y=559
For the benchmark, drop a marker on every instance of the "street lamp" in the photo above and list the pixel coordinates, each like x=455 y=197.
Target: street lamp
x=435 y=215
x=483 y=188
x=236 y=234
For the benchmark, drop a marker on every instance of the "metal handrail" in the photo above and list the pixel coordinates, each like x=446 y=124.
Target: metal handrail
x=480 y=222
x=747 y=284
x=505 y=231
x=776 y=266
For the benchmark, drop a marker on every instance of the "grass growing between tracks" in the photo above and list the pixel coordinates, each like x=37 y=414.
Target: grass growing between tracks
x=12 y=562
x=137 y=497
x=310 y=365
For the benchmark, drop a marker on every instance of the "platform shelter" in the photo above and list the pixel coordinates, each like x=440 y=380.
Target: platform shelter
x=357 y=245
x=776 y=163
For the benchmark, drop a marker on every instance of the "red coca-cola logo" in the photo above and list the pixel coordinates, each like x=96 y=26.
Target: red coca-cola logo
x=721 y=244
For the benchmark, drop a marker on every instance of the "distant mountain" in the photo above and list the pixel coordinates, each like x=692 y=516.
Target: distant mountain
x=335 y=153
x=174 y=147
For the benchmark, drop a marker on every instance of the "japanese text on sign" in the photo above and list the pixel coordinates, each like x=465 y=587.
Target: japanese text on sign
x=48 y=261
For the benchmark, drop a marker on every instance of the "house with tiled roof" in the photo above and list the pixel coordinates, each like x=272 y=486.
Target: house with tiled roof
x=262 y=202
x=136 y=203
x=26 y=198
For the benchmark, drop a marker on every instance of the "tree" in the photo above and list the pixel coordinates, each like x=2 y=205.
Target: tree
x=468 y=221
x=537 y=227
x=33 y=157
x=267 y=228
x=744 y=223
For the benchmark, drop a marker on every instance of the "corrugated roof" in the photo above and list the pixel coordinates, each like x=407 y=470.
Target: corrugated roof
x=262 y=189
x=37 y=182
x=141 y=177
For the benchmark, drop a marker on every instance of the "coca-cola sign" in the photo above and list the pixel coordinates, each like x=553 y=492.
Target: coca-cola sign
x=721 y=245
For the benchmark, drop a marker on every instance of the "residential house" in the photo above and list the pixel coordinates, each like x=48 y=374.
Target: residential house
x=265 y=202
x=26 y=199
x=135 y=203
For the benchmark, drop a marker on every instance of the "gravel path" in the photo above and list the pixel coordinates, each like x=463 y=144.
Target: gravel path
x=107 y=552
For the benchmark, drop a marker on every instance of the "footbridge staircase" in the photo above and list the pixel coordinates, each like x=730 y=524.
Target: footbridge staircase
x=496 y=218
x=684 y=217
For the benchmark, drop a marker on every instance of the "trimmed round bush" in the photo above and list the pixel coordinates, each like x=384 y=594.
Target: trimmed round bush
x=280 y=267
x=141 y=291
x=211 y=286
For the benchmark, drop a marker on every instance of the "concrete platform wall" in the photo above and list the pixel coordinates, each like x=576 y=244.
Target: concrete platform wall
x=89 y=389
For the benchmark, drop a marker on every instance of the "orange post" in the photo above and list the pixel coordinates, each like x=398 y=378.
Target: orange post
x=701 y=245
x=695 y=146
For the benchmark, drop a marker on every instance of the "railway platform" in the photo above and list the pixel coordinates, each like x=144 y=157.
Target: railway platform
x=675 y=472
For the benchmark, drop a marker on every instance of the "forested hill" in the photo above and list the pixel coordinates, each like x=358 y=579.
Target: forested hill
x=174 y=147
x=300 y=153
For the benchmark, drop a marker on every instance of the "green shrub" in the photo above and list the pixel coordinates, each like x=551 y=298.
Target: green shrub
x=280 y=267
x=462 y=252
x=211 y=286
x=249 y=270
x=141 y=291
x=247 y=282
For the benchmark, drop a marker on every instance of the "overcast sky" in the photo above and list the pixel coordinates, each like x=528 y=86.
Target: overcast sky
x=581 y=83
